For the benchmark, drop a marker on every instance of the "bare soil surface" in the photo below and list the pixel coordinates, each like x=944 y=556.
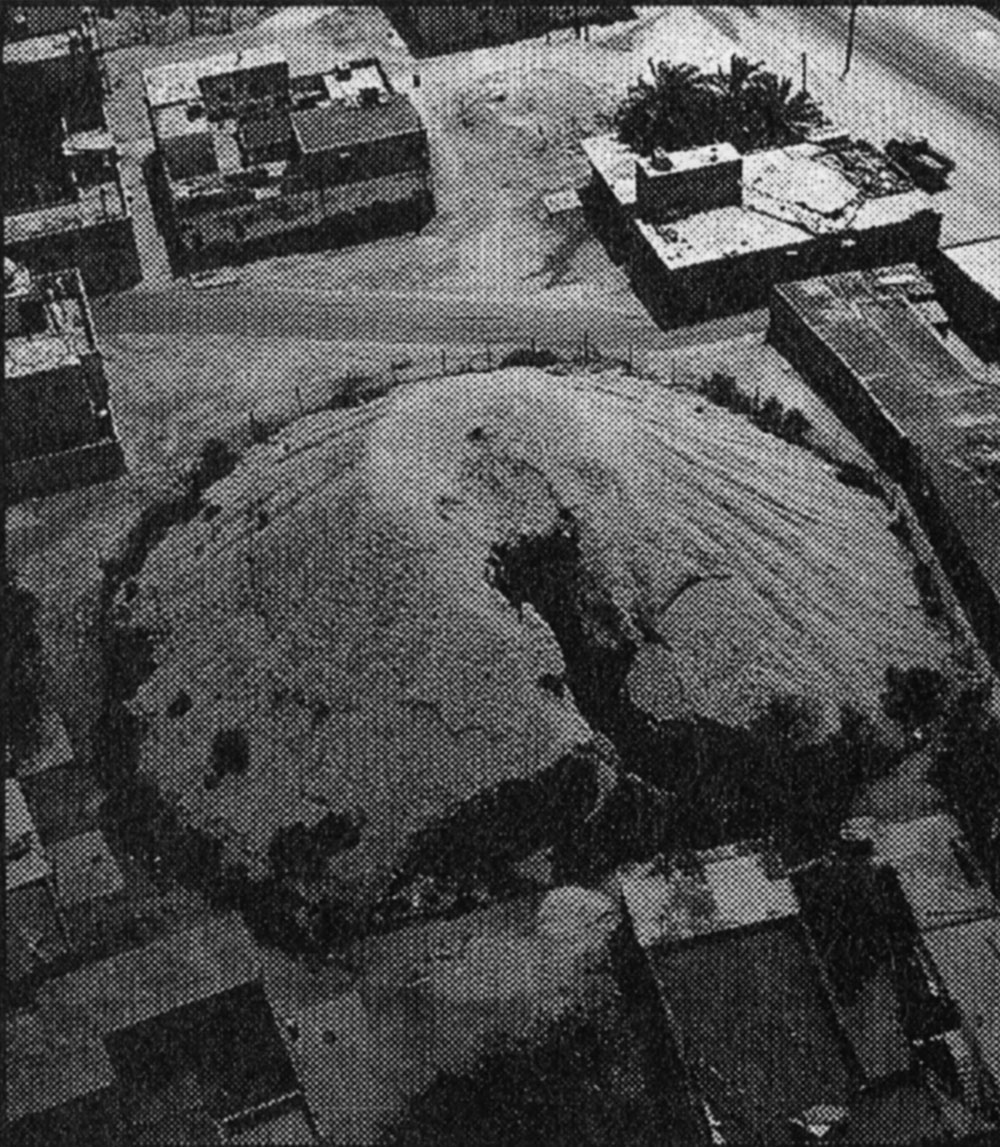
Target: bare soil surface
x=337 y=606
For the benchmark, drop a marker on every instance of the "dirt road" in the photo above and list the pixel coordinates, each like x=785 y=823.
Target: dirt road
x=415 y=318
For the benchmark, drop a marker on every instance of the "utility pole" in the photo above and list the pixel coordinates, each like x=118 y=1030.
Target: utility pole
x=850 y=39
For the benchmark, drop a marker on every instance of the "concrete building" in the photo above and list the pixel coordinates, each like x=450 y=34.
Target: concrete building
x=61 y=1090
x=36 y=944
x=183 y=1031
x=58 y=431
x=958 y=920
x=64 y=202
x=731 y=978
x=252 y=158
x=860 y=340
x=708 y=231
x=968 y=280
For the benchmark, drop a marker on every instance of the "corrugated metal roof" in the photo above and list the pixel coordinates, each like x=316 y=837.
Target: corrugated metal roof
x=332 y=126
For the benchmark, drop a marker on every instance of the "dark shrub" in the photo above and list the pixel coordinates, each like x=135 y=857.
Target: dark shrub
x=914 y=697
x=217 y=459
x=230 y=752
x=528 y=356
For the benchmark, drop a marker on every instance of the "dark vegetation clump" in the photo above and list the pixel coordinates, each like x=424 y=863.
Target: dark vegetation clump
x=530 y=356
x=230 y=753
x=579 y=1082
x=780 y=776
x=967 y=769
x=681 y=107
x=23 y=681
x=914 y=697
x=770 y=415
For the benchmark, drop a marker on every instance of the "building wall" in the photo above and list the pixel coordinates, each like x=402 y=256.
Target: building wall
x=53 y=410
x=733 y=284
x=973 y=310
x=236 y=226
x=105 y=253
x=894 y=452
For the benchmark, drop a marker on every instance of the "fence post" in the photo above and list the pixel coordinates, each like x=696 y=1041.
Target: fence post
x=444 y=369
x=586 y=350
x=298 y=399
x=489 y=357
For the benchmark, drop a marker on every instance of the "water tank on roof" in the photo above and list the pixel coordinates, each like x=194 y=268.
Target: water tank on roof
x=368 y=97
x=660 y=160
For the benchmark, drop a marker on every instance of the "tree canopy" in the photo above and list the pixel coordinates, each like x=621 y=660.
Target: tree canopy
x=682 y=107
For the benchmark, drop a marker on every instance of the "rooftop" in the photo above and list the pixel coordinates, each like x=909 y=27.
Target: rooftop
x=934 y=868
x=337 y=125
x=45 y=324
x=790 y=194
x=146 y=983
x=46 y=1070
x=980 y=261
x=50 y=46
x=177 y=83
x=691 y=159
x=967 y=956
x=100 y=203
x=868 y=320
x=84 y=868
x=24 y=860
x=33 y=932
x=724 y=890
x=756 y=1029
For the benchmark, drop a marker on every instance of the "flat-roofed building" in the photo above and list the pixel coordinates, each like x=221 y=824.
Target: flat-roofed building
x=188 y=1028
x=58 y=429
x=749 y=1020
x=861 y=342
x=64 y=201
x=958 y=919
x=708 y=231
x=60 y=1086
x=252 y=158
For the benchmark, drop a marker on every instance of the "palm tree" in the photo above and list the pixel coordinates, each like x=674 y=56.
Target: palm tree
x=676 y=110
x=732 y=87
x=774 y=116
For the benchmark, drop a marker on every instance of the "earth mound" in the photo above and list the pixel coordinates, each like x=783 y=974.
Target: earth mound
x=334 y=654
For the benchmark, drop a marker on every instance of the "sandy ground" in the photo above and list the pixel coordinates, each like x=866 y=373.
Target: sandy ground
x=346 y=567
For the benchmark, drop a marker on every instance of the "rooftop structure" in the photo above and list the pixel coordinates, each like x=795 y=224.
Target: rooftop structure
x=709 y=226
x=64 y=202
x=861 y=342
x=744 y=1002
x=727 y=889
x=250 y=154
